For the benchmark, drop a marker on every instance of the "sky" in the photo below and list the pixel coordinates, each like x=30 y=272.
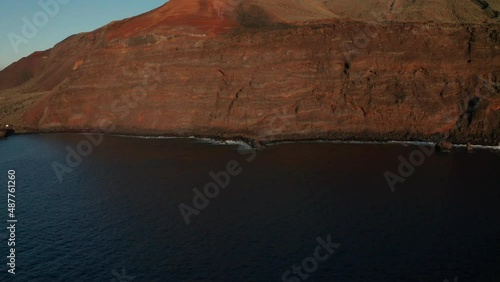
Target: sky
x=27 y=26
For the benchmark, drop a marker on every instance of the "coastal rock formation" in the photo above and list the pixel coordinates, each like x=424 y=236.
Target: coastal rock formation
x=6 y=131
x=444 y=146
x=272 y=70
x=469 y=147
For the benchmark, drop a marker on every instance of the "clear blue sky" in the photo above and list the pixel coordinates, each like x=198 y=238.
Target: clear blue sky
x=74 y=16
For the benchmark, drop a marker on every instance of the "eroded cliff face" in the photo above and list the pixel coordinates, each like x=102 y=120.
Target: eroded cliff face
x=255 y=76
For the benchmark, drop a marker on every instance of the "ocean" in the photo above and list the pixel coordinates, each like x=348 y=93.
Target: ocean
x=116 y=208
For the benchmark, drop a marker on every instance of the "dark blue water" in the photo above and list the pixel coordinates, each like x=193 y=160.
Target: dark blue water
x=116 y=216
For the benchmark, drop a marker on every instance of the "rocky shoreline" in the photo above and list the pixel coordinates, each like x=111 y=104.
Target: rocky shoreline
x=256 y=142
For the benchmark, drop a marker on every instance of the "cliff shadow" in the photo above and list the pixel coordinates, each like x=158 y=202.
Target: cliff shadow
x=256 y=17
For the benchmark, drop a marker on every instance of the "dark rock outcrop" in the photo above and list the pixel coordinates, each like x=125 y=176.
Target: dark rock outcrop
x=444 y=147
x=4 y=133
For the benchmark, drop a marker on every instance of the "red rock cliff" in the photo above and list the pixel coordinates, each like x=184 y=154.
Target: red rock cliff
x=271 y=70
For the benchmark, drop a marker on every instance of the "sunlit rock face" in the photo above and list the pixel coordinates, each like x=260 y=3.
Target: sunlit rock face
x=271 y=70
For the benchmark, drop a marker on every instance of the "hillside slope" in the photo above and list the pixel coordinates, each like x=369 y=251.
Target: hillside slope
x=443 y=11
